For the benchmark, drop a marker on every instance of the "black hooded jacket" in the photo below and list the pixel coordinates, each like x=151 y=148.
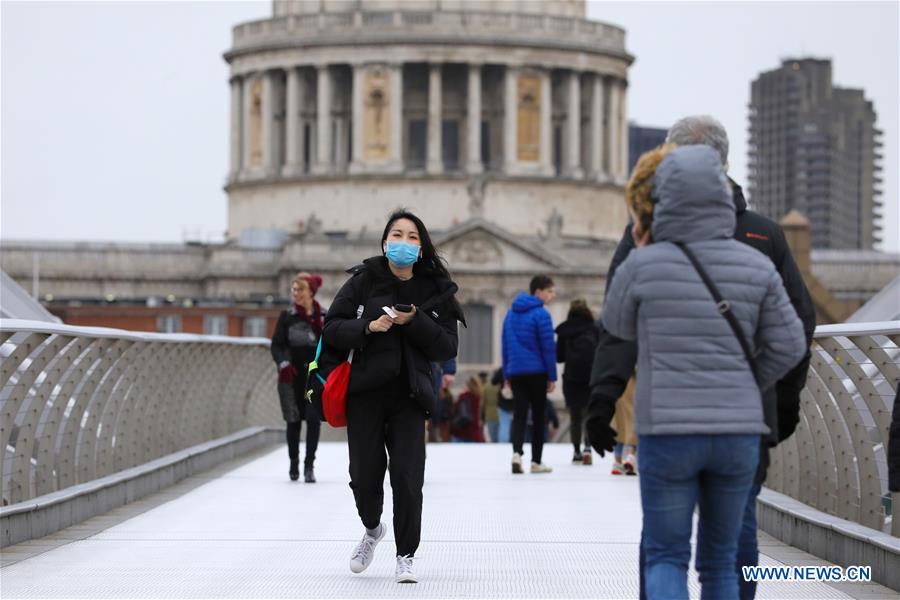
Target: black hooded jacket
x=615 y=358
x=403 y=351
x=576 y=339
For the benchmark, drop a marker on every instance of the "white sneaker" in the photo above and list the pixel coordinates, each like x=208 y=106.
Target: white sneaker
x=541 y=468
x=630 y=464
x=365 y=551
x=517 y=463
x=405 y=570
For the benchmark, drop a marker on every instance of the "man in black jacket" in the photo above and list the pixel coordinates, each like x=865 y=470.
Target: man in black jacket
x=615 y=358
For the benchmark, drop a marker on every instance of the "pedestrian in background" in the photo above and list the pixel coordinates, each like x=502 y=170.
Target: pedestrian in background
x=505 y=408
x=625 y=452
x=293 y=347
x=444 y=374
x=466 y=425
x=576 y=341
x=490 y=411
x=529 y=363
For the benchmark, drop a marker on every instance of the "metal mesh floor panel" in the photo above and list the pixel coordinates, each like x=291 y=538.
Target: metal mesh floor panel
x=486 y=534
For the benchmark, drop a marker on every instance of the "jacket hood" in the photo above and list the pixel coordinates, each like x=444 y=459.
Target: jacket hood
x=525 y=302
x=694 y=197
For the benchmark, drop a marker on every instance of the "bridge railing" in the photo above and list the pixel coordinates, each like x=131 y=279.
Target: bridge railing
x=80 y=403
x=836 y=461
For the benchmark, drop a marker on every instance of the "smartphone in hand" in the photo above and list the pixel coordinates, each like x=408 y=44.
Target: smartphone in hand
x=403 y=308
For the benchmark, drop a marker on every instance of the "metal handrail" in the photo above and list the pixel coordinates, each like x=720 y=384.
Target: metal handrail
x=836 y=461
x=79 y=403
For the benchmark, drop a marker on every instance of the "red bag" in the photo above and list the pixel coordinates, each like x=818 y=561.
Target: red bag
x=334 y=396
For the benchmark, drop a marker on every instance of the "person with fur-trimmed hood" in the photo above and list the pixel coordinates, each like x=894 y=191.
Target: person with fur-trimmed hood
x=698 y=406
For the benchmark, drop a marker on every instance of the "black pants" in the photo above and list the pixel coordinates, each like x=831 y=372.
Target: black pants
x=388 y=419
x=577 y=414
x=529 y=390
x=313 y=427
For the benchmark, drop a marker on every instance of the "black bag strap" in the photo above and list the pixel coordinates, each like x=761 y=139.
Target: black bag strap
x=724 y=307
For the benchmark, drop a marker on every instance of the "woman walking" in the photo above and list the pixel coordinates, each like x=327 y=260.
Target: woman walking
x=391 y=391
x=576 y=340
x=294 y=344
x=701 y=365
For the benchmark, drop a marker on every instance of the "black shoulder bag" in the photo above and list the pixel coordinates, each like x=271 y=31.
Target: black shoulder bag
x=724 y=307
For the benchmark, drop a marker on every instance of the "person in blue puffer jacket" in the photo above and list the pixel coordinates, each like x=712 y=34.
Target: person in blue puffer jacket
x=529 y=364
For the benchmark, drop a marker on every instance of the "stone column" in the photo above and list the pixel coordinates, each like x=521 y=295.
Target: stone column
x=246 y=109
x=293 y=138
x=268 y=123
x=473 y=119
x=395 y=100
x=546 y=166
x=596 y=168
x=572 y=165
x=236 y=156
x=612 y=131
x=434 y=163
x=356 y=119
x=323 y=120
x=509 y=120
x=623 y=132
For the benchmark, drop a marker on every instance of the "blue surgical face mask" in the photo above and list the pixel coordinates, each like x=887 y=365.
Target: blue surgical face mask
x=402 y=254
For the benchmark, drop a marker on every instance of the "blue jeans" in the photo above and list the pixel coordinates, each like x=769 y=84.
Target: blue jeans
x=505 y=429
x=678 y=472
x=493 y=428
x=748 y=545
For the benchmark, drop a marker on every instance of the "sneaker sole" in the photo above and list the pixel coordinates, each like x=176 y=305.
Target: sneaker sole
x=377 y=540
x=407 y=580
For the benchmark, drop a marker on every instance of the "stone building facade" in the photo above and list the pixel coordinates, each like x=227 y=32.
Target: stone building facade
x=344 y=110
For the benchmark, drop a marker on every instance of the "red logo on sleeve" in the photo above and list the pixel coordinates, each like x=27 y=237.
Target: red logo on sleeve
x=757 y=236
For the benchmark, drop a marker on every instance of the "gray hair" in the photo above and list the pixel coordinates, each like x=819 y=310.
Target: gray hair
x=700 y=129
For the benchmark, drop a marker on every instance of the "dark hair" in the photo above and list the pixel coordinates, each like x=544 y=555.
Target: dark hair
x=539 y=282
x=431 y=262
x=579 y=308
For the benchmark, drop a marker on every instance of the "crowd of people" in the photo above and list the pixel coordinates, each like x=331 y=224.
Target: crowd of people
x=693 y=371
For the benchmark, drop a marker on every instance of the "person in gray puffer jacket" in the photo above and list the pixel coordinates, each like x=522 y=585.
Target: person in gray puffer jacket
x=698 y=407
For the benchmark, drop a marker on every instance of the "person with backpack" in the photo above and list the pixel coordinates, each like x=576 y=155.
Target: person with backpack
x=465 y=425
x=695 y=297
x=529 y=363
x=408 y=314
x=293 y=347
x=576 y=340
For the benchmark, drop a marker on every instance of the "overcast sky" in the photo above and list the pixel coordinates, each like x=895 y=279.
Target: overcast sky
x=115 y=115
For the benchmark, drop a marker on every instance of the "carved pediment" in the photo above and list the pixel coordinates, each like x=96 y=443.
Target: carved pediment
x=479 y=246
